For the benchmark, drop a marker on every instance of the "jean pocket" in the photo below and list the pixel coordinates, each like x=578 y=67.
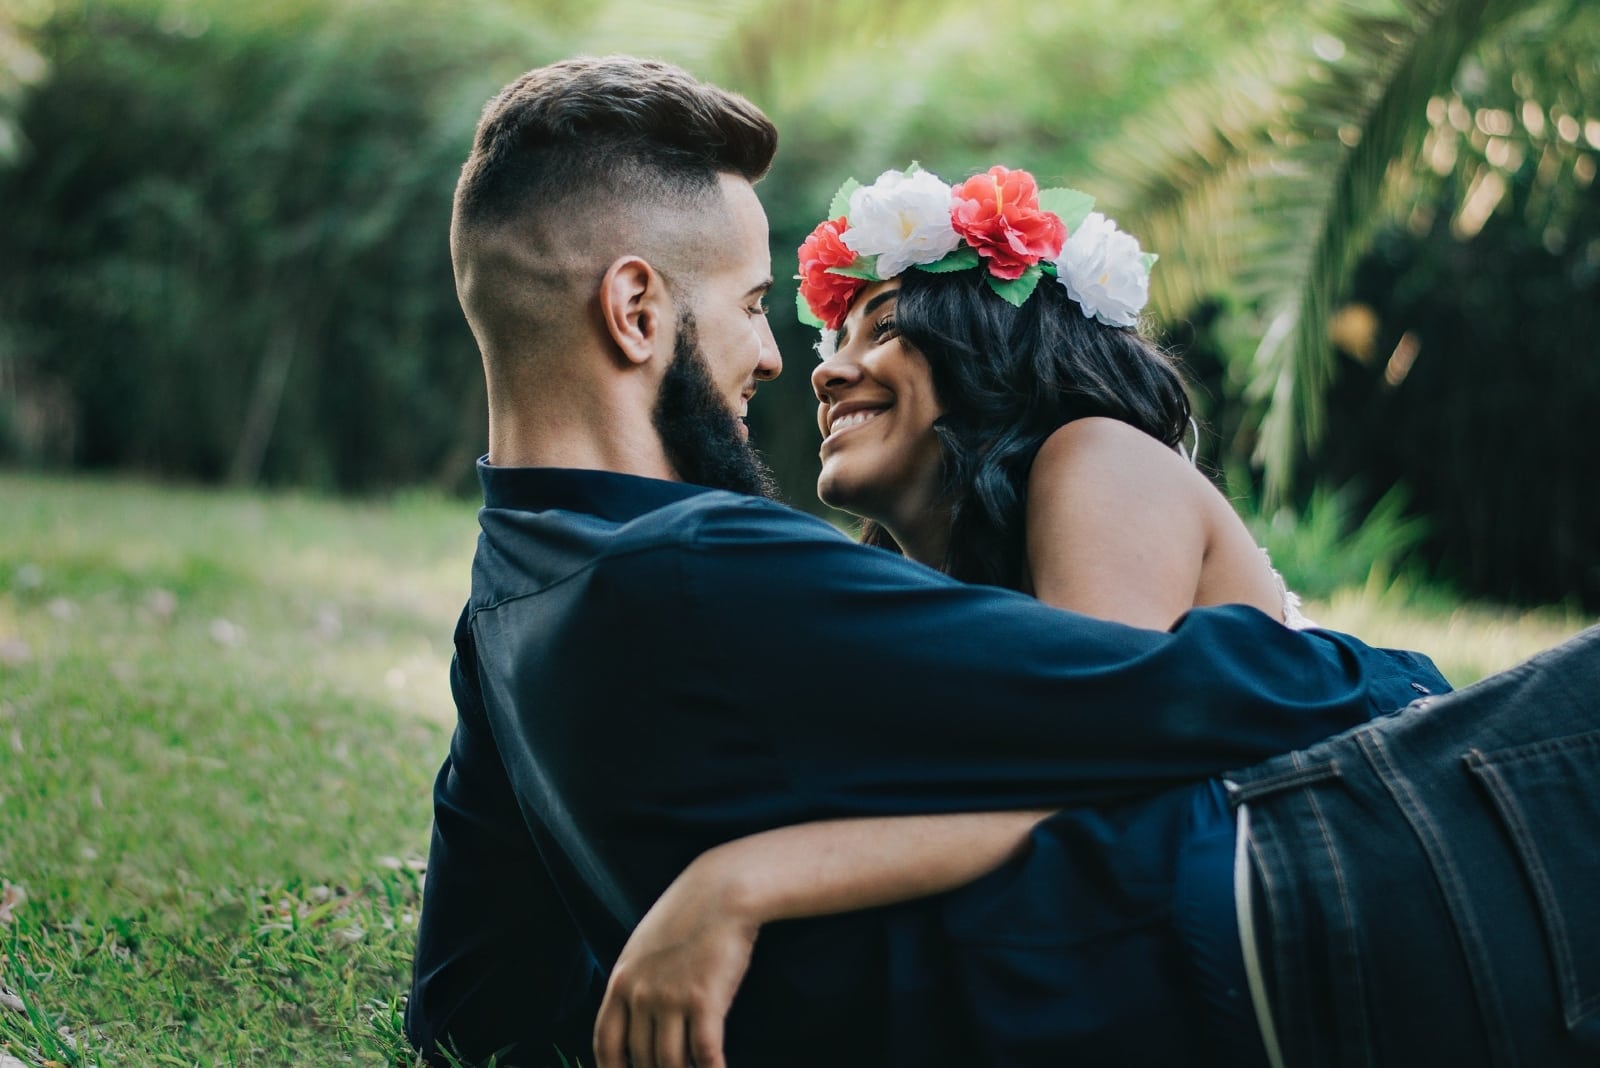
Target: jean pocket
x=1548 y=796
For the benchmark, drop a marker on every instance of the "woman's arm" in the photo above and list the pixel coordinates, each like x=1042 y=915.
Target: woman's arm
x=671 y=988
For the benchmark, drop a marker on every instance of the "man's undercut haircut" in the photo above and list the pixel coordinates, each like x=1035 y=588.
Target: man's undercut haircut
x=587 y=133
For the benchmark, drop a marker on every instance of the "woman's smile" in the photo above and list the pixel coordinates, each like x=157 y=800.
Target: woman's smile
x=849 y=416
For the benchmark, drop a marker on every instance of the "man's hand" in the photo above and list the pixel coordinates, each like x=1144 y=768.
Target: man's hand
x=670 y=990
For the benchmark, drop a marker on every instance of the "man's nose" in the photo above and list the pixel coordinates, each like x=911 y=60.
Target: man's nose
x=770 y=363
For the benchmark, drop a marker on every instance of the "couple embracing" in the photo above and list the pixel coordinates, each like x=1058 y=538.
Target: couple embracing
x=1049 y=772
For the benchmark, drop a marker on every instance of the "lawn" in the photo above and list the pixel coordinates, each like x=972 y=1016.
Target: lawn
x=220 y=714
x=219 y=720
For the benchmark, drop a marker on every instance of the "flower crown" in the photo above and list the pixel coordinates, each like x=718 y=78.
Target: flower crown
x=999 y=219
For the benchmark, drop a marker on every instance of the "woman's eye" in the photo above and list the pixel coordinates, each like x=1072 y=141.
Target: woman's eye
x=883 y=328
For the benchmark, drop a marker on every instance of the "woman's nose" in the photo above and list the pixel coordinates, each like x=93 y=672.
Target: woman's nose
x=833 y=373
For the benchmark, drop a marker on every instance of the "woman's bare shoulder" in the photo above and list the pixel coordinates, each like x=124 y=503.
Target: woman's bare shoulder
x=1116 y=525
x=1100 y=451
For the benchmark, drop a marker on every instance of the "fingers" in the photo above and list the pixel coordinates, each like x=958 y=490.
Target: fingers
x=627 y=1037
x=671 y=1045
x=705 y=1039
x=611 y=1032
x=641 y=1040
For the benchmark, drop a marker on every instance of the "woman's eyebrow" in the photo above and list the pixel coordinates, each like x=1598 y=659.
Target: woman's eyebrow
x=879 y=299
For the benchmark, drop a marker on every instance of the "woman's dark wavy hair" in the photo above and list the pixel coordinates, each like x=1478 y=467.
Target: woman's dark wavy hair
x=1008 y=378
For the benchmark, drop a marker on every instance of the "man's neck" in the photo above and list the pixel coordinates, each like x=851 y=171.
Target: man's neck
x=577 y=447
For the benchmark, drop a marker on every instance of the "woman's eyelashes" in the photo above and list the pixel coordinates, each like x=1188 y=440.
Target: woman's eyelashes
x=883 y=329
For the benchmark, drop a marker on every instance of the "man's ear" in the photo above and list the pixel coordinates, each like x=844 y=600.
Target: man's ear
x=636 y=308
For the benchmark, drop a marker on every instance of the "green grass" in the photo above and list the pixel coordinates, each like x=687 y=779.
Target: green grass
x=1467 y=640
x=220 y=715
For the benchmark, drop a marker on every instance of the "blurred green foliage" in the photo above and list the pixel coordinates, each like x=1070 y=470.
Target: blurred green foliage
x=224 y=248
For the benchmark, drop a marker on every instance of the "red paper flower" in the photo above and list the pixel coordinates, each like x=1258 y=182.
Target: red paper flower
x=998 y=214
x=829 y=296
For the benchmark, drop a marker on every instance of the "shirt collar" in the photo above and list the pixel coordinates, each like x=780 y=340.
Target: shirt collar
x=602 y=493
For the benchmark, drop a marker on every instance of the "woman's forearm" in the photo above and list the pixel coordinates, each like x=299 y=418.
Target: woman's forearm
x=836 y=866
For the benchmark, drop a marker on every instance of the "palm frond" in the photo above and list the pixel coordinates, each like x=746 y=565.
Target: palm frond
x=1177 y=178
x=1361 y=115
x=1268 y=180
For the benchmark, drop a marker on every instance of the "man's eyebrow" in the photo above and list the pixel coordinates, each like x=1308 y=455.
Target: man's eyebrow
x=844 y=331
x=759 y=287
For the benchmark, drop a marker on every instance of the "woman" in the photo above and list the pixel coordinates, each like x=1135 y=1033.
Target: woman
x=989 y=407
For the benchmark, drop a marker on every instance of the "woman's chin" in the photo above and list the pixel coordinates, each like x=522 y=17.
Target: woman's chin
x=835 y=491
x=839 y=493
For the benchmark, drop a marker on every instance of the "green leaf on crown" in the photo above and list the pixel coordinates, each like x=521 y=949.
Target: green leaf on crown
x=803 y=310
x=841 y=200
x=1069 y=205
x=961 y=259
x=1149 y=261
x=863 y=267
x=1016 y=291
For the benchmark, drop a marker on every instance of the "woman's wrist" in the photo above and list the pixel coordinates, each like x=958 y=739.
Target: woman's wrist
x=737 y=892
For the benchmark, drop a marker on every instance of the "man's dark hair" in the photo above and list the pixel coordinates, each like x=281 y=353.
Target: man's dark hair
x=583 y=128
x=1008 y=378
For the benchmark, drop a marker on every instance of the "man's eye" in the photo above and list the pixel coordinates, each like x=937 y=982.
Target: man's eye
x=759 y=307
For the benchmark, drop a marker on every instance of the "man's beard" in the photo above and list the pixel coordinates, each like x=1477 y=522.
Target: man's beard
x=700 y=434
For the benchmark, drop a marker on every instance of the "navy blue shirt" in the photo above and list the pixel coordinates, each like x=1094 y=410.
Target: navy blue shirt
x=646 y=669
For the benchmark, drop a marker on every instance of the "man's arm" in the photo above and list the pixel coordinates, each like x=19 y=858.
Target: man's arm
x=884 y=688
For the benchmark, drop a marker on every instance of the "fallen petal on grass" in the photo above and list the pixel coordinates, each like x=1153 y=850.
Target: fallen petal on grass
x=163 y=604
x=329 y=623
x=350 y=935
x=227 y=633
x=12 y=897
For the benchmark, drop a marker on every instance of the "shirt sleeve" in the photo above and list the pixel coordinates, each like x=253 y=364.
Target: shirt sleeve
x=524 y=985
x=884 y=687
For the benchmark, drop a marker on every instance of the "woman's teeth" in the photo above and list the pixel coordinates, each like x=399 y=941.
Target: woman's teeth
x=845 y=422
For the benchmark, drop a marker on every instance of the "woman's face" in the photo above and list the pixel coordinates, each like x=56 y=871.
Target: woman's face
x=876 y=408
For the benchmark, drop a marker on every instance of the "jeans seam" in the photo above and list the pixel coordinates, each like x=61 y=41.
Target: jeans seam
x=1448 y=876
x=1352 y=948
x=1280 y=782
x=1566 y=968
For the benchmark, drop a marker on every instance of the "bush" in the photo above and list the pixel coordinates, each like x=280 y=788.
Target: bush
x=226 y=255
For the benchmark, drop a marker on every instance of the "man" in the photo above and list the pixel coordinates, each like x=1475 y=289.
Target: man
x=650 y=664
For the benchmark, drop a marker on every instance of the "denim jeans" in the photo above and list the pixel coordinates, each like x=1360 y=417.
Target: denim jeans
x=1426 y=888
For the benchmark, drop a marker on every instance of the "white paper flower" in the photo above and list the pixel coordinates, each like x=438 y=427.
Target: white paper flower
x=827 y=345
x=1104 y=271
x=903 y=219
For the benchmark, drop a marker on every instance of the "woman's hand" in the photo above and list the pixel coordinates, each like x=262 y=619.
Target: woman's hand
x=671 y=988
x=670 y=991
